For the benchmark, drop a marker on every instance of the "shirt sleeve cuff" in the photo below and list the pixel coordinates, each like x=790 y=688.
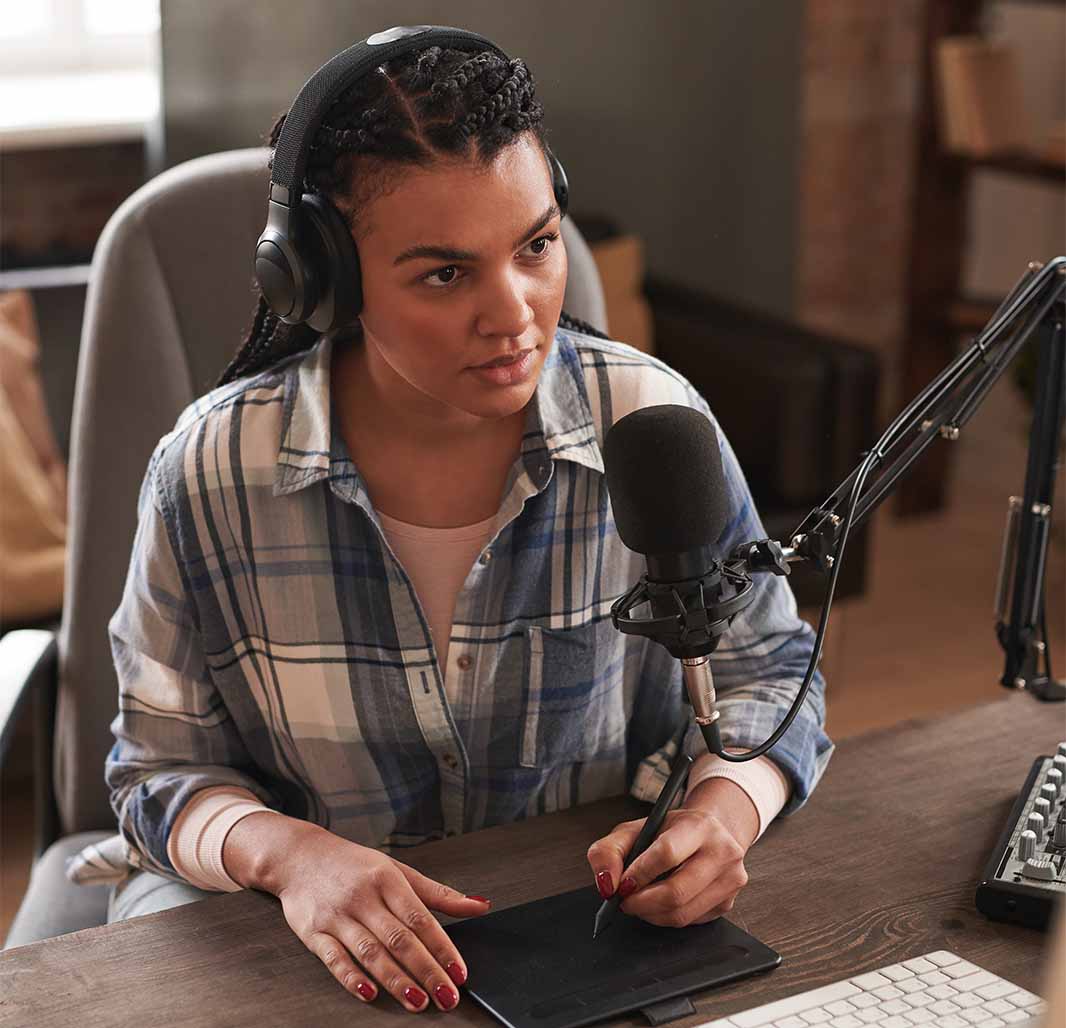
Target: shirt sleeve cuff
x=765 y=783
x=196 y=840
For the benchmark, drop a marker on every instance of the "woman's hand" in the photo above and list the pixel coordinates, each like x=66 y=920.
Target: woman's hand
x=699 y=849
x=352 y=905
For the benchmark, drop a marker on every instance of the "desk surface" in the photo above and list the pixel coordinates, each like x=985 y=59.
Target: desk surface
x=881 y=865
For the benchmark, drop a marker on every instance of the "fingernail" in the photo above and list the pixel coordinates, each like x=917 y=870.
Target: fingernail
x=445 y=997
x=416 y=997
x=456 y=973
x=365 y=990
x=628 y=886
x=605 y=884
x=480 y=899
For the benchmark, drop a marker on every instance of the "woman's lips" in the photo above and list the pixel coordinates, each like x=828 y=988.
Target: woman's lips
x=508 y=374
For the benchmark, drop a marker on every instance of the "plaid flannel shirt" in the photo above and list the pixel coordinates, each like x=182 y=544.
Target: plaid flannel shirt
x=268 y=637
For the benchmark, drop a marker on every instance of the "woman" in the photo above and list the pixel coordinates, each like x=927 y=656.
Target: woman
x=368 y=603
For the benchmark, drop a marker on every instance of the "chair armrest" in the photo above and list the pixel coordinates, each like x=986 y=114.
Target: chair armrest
x=28 y=665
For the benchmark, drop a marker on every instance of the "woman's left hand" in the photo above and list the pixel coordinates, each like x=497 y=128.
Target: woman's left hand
x=702 y=858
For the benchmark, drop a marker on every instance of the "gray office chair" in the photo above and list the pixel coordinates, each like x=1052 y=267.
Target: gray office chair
x=169 y=297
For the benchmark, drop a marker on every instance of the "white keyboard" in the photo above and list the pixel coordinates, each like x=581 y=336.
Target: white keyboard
x=939 y=989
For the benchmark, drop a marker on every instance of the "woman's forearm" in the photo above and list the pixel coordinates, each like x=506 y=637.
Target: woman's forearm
x=257 y=847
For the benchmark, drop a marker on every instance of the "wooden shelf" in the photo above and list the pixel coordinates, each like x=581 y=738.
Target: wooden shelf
x=1028 y=165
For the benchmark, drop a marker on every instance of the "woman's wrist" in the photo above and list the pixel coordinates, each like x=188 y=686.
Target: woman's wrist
x=257 y=849
x=730 y=804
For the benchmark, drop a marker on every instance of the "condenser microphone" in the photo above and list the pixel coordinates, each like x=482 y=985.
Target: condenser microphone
x=670 y=500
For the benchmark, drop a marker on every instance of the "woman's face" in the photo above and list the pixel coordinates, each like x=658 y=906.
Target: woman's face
x=462 y=265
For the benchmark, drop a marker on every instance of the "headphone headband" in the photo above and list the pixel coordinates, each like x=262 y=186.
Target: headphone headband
x=326 y=84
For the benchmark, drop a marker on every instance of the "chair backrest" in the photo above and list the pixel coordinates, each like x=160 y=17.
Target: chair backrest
x=170 y=297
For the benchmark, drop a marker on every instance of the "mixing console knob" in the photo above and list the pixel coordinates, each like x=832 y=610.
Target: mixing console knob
x=1060 y=763
x=1062 y=749
x=1043 y=808
x=1049 y=792
x=1054 y=777
x=1035 y=824
x=1058 y=837
x=1026 y=846
x=1040 y=868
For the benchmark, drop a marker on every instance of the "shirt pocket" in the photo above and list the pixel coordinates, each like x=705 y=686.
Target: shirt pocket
x=574 y=697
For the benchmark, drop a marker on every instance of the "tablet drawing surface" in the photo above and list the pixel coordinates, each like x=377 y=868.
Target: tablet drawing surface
x=537 y=965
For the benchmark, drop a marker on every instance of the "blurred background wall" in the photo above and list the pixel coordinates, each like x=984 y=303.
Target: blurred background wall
x=678 y=120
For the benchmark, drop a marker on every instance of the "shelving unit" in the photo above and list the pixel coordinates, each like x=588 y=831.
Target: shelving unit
x=937 y=312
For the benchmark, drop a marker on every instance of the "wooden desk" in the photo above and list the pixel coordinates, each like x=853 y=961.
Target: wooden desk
x=879 y=866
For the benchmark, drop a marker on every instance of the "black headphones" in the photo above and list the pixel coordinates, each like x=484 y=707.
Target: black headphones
x=306 y=260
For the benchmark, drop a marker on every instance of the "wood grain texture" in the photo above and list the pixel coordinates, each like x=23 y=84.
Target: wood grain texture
x=879 y=866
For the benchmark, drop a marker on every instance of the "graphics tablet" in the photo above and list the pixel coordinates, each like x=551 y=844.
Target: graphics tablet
x=537 y=965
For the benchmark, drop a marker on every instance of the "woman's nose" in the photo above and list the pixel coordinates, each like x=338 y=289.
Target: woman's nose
x=505 y=309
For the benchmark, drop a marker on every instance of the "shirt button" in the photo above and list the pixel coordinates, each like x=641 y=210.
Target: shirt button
x=465 y=662
x=486 y=557
x=449 y=759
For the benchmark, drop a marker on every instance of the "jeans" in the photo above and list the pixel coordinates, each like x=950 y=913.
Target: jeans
x=143 y=892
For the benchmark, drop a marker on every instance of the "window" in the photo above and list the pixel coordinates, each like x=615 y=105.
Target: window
x=77 y=69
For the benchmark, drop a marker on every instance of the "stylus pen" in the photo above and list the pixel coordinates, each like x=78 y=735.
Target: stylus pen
x=647 y=834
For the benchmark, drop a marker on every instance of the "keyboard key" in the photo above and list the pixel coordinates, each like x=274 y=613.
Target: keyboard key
x=999 y=1007
x=1011 y=1016
x=818 y=1015
x=920 y=1016
x=894 y=1022
x=870 y=981
x=941 y=992
x=768 y=1012
x=841 y=1006
x=871 y=1015
x=1021 y=998
x=919 y=965
x=845 y=1021
x=897 y=972
x=975 y=1016
x=951 y=1021
x=996 y=989
x=944 y=1006
x=975 y=981
x=934 y=978
x=895 y=1006
x=863 y=1000
x=960 y=970
x=887 y=992
x=790 y=1022
x=911 y=985
x=921 y=999
x=967 y=999
x=942 y=958
x=994 y=1022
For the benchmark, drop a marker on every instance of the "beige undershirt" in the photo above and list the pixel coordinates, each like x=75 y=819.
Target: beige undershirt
x=438 y=561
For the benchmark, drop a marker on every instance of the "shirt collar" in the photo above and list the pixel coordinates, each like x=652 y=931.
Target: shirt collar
x=558 y=417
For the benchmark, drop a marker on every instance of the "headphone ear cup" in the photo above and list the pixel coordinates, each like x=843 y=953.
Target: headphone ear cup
x=340 y=284
x=560 y=185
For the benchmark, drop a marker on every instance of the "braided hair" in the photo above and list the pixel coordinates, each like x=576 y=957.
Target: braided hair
x=413 y=110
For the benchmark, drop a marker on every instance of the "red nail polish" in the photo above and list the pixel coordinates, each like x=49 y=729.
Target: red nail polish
x=627 y=887
x=445 y=996
x=480 y=899
x=605 y=884
x=416 y=997
x=365 y=990
x=456 y=973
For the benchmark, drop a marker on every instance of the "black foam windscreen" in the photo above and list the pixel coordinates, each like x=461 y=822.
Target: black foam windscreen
x=665 y=479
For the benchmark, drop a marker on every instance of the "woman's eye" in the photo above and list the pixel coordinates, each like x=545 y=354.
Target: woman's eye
x=448 y=273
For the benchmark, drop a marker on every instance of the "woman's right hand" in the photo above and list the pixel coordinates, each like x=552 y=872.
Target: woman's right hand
x=366 y=917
